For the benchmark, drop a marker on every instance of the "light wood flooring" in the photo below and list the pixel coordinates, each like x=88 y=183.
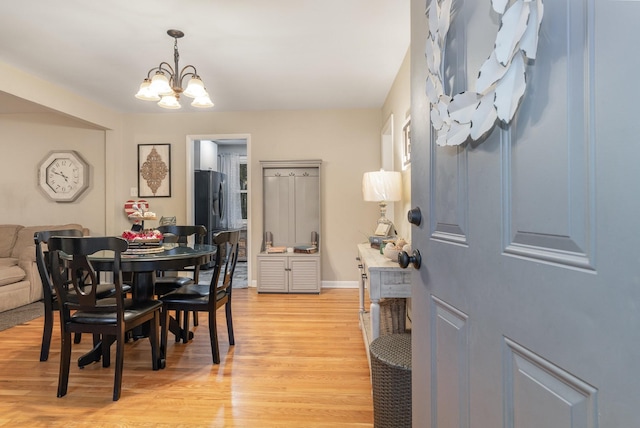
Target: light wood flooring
x=299 y=361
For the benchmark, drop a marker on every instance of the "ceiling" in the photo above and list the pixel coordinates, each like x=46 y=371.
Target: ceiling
x=251 y=54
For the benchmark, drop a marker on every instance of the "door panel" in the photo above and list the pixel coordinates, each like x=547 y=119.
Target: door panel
x=450 y=194
x=450 y=365
x=526 y=309
x=541 y=394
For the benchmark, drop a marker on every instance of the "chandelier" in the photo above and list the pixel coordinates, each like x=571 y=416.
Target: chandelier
x=166 y=84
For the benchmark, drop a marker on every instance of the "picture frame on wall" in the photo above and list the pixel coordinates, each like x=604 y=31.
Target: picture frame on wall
x=154 y=170
x=406 y=143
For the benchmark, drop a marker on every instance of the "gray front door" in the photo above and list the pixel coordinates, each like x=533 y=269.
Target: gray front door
x=526 y=310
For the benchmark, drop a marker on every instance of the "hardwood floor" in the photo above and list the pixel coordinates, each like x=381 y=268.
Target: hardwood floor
x=299 y=361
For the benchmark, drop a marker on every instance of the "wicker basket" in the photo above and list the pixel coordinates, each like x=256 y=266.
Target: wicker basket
x=393 y=316
x=391 y=380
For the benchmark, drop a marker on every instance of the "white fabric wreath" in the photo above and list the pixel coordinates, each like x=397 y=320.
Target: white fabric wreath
x=501 y=79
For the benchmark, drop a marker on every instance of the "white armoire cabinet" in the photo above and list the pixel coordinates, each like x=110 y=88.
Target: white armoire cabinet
x=291 y=221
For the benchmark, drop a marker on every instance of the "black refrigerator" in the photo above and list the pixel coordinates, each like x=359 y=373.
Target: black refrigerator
x=209 y=201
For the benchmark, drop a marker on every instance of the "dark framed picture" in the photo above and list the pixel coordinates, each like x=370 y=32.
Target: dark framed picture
x=154 y=170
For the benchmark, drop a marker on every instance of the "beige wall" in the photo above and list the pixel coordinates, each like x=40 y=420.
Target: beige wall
x=398 y=104
x=347 y=141
x=25 y=141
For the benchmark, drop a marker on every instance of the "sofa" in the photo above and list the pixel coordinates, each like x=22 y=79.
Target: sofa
x=19 y=278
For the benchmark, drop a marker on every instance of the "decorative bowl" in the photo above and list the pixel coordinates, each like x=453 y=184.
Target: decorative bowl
x=391 y=254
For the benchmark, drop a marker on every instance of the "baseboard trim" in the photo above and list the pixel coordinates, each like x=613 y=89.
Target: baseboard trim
x=325 y=284
x=340 y=284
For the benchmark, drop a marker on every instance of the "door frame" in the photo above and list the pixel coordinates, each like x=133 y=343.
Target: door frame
x=190 y=168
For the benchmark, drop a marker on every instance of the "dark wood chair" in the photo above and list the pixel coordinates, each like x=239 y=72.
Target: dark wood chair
x=207 y=298
x=50 y=300
x=167 y=281
x=85 y=313
x=180 y=235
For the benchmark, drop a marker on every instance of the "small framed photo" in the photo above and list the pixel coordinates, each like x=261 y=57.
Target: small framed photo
x=406 y=143
x=154 y=170
x=383 y=229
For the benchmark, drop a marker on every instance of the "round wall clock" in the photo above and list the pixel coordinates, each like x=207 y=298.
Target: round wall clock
x=63 y=175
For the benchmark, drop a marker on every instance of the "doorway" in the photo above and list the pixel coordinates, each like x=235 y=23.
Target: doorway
x=223 y=144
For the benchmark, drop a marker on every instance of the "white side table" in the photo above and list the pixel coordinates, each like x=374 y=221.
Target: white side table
x=383 y=279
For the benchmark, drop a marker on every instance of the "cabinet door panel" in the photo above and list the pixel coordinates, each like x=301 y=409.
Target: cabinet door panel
x=307 y=206
x=278 y=215
x=272 y=274
x=305 y=275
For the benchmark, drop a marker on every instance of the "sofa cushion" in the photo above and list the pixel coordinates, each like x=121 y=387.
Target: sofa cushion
x=8 y=261
x=25 y=237
x=8 y=234
x=9 y=275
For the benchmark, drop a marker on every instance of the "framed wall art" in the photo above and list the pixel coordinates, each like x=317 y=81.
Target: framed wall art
x=406 y=143
x=154 y=170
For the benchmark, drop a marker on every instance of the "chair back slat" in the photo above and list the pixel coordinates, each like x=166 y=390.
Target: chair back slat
x=180 y=234
x=43 y=257
x=231 y=259
x=225 y=260
x=73 y=253
x=183 y=232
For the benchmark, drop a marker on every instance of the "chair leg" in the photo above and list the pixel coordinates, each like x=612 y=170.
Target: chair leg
x=77 y=337
x=227 y=309
x=195 y=318
x=164 y=335
x=213 y=337
x=178 y=316
x=185 y=326
x=117 y=383
x=46 y=333
x=65 y=362
x=153 y=338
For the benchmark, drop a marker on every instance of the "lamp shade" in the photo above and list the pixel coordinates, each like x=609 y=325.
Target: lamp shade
x=382 y=185
x=145 y=93
x=202 y=102
x=195 y=88
x=170 y=102
x=160 y=84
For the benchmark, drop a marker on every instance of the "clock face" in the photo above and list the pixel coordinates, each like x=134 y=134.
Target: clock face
x=63 y=176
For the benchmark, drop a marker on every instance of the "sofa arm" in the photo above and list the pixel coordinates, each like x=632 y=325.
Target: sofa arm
x=27 y=261
x=28 y=253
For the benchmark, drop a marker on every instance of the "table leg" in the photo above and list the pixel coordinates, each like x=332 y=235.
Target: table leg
x=375 y=319
x=95 y=354
x=361 y=291
x=142 y=289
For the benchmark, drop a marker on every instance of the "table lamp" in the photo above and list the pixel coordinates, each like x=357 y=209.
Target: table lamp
x=382 y=187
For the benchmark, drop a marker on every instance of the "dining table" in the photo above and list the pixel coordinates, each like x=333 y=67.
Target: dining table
x=143 y=267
